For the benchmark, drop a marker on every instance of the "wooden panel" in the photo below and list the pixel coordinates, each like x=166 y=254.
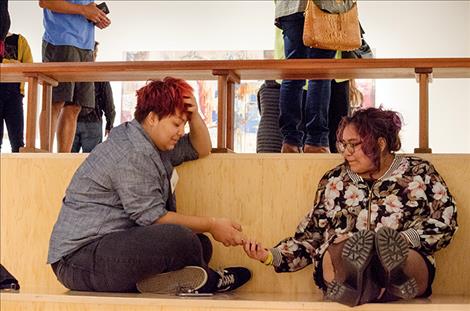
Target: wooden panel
x=32 y=188
x=378 y=68
x=267 y=194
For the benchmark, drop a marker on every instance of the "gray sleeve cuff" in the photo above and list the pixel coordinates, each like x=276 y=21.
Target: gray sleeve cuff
x=277 y=257
x=412 y=236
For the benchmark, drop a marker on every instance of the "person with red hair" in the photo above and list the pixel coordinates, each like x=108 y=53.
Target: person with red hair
x=118 y=229
x=377 y=220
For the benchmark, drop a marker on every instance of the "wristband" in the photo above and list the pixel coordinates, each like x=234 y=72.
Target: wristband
x=269 y=260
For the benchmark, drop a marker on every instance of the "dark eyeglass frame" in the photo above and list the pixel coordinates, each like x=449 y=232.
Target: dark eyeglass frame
x=349 y=146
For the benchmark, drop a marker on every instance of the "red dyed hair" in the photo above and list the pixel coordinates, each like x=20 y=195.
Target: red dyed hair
x=371 y=124
x=163 y=97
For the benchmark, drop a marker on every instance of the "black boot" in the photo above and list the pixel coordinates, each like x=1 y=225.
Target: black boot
x=392 y=251
x=357 y=254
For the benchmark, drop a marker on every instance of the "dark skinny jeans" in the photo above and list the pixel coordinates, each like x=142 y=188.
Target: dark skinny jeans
x=117 y=261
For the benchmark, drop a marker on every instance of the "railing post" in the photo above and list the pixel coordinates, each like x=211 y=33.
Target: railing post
x=31 y=118
x=32 y=115
x=47 y=139
x=423 y=76
x=226 y=98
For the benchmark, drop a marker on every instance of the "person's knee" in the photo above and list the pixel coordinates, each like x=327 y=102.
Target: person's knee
x=57 y=107
x=72 y=110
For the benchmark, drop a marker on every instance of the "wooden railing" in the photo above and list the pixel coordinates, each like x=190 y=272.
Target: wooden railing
x=227 y=73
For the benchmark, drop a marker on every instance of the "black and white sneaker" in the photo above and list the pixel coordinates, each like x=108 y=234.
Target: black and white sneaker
x=188 y=279
x=232 y=278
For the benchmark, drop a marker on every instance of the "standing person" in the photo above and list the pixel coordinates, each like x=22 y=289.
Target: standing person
x=4 y=25
x=118 y=229
x=17 y=50
x=89 y=131
x=377 y=220
x=69 y=37
x=290 y=18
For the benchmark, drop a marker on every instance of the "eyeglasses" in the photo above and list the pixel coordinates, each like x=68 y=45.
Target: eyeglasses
x=350 y=147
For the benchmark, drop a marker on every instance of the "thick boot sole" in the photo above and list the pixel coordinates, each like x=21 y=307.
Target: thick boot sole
x=357 y=253
x=341 y=293
x=188 y=279
x=392 y=251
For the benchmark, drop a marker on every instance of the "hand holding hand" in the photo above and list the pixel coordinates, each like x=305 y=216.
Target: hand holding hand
x=226 y=231
x=255 y=250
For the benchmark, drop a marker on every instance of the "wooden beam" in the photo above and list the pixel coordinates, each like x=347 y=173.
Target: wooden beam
x=32 y=113
x=226 y=104
x=47 y=109
x=43 y=79
x=423 y=79
x=222 y=91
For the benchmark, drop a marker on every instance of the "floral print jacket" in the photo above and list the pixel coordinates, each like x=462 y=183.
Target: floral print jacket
x=411 y=197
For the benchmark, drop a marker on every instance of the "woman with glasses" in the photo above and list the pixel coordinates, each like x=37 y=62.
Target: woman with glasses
x=376 y=222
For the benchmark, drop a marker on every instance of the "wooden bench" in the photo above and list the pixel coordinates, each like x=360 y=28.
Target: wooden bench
x=268 y=194
x=228 y=73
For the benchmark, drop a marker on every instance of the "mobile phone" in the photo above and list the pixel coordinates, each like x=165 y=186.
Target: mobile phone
x=103 y=7
x=194 y=294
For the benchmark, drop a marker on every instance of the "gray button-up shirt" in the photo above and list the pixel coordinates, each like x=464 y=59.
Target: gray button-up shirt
x=288 y=7
x=124 y=182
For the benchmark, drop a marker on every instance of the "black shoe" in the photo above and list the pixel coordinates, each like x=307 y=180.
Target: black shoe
x=188 y=279
x=232 y=278
x=357 y=254
x=392 y=250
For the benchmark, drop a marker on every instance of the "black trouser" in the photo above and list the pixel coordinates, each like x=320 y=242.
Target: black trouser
x=116 y=262
x=339 y=108
x=11 y=110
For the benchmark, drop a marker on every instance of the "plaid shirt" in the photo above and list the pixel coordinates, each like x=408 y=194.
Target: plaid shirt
x=124 y=182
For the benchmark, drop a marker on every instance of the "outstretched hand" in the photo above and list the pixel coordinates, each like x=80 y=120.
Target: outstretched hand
x=255 y=250
x=227 y=232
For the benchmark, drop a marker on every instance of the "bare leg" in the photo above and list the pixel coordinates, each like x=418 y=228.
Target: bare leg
x=67 y=125
x=55 y=111
x=333 y=263
x=416 y=267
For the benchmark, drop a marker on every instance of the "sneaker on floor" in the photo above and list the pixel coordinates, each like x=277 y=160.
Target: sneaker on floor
x=188 y=279
x=232 y=278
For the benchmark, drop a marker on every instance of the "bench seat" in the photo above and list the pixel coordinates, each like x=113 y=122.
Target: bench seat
x=72 y=300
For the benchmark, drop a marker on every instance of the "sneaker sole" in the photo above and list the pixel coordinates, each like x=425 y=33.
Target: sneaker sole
x=357 y=253
x=392 y=251
x=189 y=278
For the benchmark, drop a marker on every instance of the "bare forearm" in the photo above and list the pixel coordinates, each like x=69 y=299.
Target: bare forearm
x=199 y=136
x=196 y=223
x=61 y=6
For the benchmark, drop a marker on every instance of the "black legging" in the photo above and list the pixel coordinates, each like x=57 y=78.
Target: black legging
x=4 y=23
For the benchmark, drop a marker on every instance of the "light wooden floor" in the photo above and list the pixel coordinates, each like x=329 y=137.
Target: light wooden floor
x=71 y=301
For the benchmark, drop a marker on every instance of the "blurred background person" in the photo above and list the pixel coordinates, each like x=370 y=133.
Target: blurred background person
x=89 y=131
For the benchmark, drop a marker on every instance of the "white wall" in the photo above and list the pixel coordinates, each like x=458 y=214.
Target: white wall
x=395 y=29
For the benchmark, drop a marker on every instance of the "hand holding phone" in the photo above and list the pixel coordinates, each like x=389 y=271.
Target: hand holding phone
x=103 y=7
